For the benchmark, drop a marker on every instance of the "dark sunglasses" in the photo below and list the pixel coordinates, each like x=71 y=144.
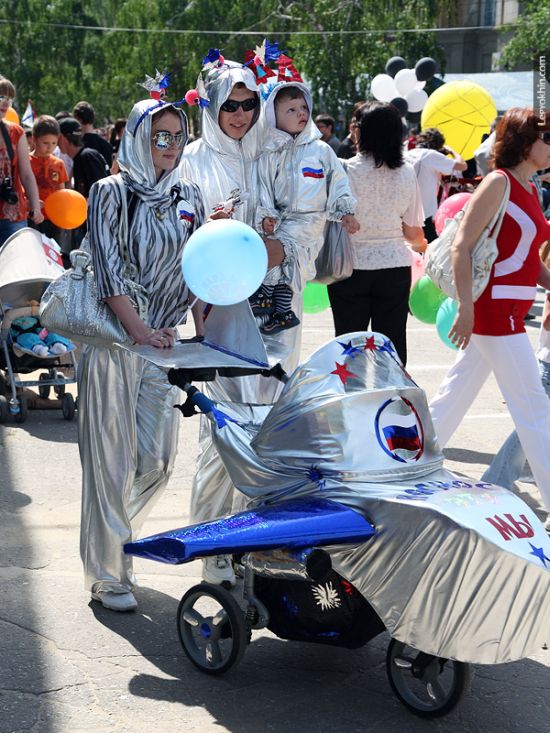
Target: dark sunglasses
x=232 y=105
x=545 y=137
x=162 y=140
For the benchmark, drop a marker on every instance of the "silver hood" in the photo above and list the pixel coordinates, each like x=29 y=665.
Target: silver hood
x=134 y=157
x=277 y=138
x=217 y=86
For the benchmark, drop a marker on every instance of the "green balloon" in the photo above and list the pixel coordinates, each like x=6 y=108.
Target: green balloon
x=315 y=298
x=425 y=299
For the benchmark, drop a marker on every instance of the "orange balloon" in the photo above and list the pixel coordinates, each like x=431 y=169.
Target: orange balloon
x=66 y=208
x=12 y=116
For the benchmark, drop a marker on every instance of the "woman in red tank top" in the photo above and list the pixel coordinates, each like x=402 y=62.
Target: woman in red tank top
x=490 y=332
x=16 y=176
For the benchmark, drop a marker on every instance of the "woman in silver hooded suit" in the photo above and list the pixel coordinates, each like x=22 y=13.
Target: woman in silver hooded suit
x=223 y=159
x=127 y=424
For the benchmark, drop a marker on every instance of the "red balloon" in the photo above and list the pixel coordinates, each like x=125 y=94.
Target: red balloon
x=449 y=208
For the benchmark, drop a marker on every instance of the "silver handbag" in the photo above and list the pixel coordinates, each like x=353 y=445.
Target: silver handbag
x=71 y=307
x=334 y=261
x=438 y=258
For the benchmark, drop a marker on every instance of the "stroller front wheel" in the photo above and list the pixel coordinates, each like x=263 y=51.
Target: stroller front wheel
x=211 y=628
x=44 y=389
x=4 y=409
x=428 y=686
x=68 y=406
x=23 y=413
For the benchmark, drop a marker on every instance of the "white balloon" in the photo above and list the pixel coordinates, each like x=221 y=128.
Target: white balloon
x=416 y=99
x=405 y=81
x=383 y=88
x=420 y=85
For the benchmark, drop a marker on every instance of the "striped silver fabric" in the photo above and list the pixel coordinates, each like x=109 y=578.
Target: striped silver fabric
x=156 y=244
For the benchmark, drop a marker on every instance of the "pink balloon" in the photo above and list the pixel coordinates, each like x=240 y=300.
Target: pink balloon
x=417 y=267
x=449 y=208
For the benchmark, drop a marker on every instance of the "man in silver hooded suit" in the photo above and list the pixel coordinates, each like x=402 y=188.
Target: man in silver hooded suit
x=227 y=158
x=127 y=424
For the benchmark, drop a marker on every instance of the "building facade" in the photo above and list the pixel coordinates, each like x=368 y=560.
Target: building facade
x=477 y=45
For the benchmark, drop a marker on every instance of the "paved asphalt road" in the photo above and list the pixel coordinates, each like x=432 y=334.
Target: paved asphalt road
x=69 y=666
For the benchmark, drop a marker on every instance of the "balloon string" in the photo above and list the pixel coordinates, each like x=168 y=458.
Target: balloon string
x=185 y=312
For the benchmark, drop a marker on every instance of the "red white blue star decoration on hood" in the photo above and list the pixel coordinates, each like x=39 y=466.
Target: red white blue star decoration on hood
x=156 y=85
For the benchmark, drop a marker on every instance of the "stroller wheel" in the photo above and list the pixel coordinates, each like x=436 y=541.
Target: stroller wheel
x=428 y=686
x=211 y=628
x=44 y=390
x=67 y=406
x=23 y=413
x=59 y=389
x=4 y=409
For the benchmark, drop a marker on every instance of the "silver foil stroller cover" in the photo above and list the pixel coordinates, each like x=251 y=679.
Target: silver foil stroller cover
x=458 y=568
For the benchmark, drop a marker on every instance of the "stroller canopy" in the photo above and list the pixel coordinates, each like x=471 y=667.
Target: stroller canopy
x=27 y=266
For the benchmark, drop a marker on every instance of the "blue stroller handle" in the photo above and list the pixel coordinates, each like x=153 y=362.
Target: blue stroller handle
x=200 y=400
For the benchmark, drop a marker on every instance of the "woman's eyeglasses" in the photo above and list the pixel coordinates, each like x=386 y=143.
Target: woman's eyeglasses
x=5 y=98
x=545 y=137
x=163 y=139
x=232 y=105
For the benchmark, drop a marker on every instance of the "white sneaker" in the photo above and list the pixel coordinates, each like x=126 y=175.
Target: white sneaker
x=218 y=569
x=115 y=601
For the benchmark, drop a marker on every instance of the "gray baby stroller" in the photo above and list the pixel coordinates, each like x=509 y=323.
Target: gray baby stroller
x=28 y=264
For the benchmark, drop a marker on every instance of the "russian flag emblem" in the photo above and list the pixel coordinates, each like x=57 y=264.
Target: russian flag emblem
x=186 y=215
x=399 y=430
x=185 y=212
x=313 y=172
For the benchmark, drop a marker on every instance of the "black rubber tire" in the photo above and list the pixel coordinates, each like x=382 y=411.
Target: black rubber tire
x=425 y=706
x=68 y=407
x=3 y=384
x=4 y=409
x=44 y=390
x=59 y=389
x=23 y=413
x=227 y=640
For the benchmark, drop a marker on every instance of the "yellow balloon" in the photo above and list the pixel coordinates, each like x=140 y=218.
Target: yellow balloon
x=463 y=112
x=12 y=116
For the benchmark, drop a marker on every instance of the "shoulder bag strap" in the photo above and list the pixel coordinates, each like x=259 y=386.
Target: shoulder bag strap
x=123 y=226
x=9 y=146
x=7 y=141
x=498 y=217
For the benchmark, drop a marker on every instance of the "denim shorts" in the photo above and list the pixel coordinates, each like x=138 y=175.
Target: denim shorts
x=7 y=228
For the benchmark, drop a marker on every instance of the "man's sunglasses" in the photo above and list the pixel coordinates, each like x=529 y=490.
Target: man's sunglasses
x=232 y=105
x=545 y=137
x=163 y=139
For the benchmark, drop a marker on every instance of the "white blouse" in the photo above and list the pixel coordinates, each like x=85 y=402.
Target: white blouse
x=386 y=197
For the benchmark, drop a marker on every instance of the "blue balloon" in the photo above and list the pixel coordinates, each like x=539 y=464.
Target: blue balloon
x=224 y=262
x=444 y=320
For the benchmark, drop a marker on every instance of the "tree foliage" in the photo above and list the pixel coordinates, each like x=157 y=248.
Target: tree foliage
x=57 y=66
x=531 y=38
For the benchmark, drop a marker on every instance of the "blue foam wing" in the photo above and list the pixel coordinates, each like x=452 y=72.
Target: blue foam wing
x=296 y=523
